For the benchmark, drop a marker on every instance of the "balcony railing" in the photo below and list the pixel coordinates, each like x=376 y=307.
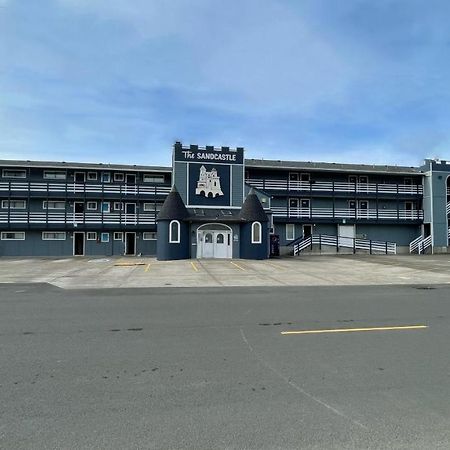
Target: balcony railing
x=335 y=186
x=345 y=213
x=82 y=188
x=77 y=218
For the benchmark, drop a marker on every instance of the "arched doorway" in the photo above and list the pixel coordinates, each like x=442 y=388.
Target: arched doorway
x=214 y=240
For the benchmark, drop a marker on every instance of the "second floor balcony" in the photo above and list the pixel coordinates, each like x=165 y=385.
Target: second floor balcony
x=335 y=186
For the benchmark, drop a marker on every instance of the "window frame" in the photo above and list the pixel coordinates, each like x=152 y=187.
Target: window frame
x=120 y=206
x=91 y=202
x=3 y=233
x=14 y=170
x=115 y=238
x=290 y=237
x=8 y=203
x=149 y=175
x=149 y=239
x=171 y=238
x=54 y=239
x=91 y=233
x=117 y=175
x=105 y=204
x=46 y=202
x=255 y=225
x=102 y=235
x=59 y=172
x=105 y=174
x=90 y=178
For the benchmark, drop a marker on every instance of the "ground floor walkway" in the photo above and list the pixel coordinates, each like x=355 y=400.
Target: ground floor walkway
x=73 y=273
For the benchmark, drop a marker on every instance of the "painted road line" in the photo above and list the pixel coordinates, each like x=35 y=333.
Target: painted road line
x=194 y=266
x=350 y=330
x=276 y=267
x=147 y=268
x=129 y=264
x=237 y=265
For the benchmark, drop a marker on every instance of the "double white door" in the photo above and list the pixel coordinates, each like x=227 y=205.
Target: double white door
x=214 y=244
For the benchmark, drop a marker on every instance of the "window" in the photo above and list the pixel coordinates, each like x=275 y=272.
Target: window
x=92 y=176
x=352 y=179
x=91 y=206
x=149 y=235
x=106 y=207
x=54 y=175
x=293 y=176
x=118 y=177
x=153 y=178
x=118 y=206
x=106 y=177
x=54 y=204
x=149 y=206
x=14 y=204
x=363 y=179
x=352 y=204
x=304 y=177
x=118 y=235
x=91 y=235
x=174 y=232
x=290 y=231
x=13 y=235
x=305 y=203
x=53 y=236
x=293 y=203
x=13 y=173
x=256 y=233
x=104 y=237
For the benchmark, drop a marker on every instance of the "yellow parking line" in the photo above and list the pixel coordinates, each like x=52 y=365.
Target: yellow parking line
x=147 y=268
x=349 y=330
x=194 y=266
x=237 y=265
x=276 y=267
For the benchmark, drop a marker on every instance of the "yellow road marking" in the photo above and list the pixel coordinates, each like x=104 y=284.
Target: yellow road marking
x=147 y=268
x=129 y=264
x=237 y=265
x=194 y=266
x=276 y=267
x=349 y=330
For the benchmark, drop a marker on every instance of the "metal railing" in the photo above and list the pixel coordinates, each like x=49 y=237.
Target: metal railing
x=335 y=186
x=448 y=208
x=85 y=188
x=420 y=244
x=346 y=242
x=346 y=213
x=77 y=218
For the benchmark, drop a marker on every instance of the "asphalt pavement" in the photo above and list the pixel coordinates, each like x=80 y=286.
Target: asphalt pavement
x=209 y=368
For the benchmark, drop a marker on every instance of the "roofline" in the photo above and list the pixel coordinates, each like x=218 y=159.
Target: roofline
x=82 y=165
x=296 y=166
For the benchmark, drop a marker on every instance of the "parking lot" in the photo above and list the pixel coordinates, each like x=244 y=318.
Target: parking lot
x=74 y=273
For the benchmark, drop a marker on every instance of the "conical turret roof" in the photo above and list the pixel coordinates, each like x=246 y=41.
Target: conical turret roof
x=173 y=207
x=252 y=210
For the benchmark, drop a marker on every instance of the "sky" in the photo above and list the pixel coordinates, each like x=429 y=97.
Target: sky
x=119 y=81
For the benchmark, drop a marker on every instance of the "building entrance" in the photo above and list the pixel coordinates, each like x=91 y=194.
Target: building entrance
x=130 y=244
x=214 y=241
x=78 y=244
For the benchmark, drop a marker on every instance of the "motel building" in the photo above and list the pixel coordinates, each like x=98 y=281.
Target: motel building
x=214 y=203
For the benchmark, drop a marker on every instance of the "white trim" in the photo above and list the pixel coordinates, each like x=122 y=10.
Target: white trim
x=91 y=209
x=104 y=233
x=256 y=241
x=109 y=177
x=93 y=178
x=213 y=207
x=131 y=175
x=78 y=173
x=289 y=238
x=46 y=202
x=14 y=170
x=152 y=175
x=54 y=239
x=118 y=238
x=126 y=243
x=149 y=239
x=109 y=207
x=171 y=240
x=116 y=177
x=12 y=239
x=91 y=238
x=59 y=172
x=8 y=204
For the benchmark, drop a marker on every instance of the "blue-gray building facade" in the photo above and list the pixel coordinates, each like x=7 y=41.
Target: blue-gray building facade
x=82 y=209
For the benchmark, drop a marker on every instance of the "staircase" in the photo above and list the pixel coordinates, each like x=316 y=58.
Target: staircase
x=420 y=244
x=344 y=242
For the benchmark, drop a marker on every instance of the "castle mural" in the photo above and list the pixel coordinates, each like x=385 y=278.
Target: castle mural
x=208 y=183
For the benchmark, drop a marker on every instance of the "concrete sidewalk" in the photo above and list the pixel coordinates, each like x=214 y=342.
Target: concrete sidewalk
x=73 y=273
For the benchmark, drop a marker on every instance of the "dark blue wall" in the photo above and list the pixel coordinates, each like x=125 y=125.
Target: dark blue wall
x=253 y=251
x=167 y=251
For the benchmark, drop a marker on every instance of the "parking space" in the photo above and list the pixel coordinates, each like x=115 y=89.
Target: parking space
x=104 y=272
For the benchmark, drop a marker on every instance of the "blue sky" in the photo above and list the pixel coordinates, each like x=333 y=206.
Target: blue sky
x=322 y=80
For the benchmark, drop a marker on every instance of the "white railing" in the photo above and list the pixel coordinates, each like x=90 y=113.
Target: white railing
x=335 y=186
x=346 y=242
x=448 y=208
x=82 y=188
x=78 y=218
x=420 y=244
x=346 y=213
